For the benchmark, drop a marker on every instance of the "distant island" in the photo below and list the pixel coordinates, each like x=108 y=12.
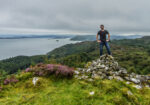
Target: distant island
x=35 y=36
x=72 y=37
x=93 y=37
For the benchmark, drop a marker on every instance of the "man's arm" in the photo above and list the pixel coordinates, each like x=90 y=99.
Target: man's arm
x=97 y=38
x=108 y=37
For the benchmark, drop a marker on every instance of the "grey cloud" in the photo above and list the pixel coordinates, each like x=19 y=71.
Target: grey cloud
x=122 y=16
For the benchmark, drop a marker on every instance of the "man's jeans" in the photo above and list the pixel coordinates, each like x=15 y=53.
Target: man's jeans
x=107 y=48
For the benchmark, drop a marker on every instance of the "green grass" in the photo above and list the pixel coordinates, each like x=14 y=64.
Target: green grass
x=63 y=91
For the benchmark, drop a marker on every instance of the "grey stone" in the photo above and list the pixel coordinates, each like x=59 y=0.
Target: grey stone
x=118 y=78
x=137 y=86
x=127 y=82
x=110 y=77
x=134 y=80
x=34 y=81
x=76 y=72
x=106 y=67
x=127 y=78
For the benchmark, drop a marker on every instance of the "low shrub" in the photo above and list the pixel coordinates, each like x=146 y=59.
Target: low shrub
x=24 y=76
x=11 y=79
x=49 y=69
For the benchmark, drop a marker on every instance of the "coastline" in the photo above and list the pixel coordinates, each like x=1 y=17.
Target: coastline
x=30 y=46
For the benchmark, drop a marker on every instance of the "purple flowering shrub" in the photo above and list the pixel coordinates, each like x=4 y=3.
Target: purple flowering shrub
x=28 y=70
x=11 y=79
x=49 y=69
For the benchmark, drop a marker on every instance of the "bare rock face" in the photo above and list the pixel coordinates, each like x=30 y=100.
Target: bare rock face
x=106 y=67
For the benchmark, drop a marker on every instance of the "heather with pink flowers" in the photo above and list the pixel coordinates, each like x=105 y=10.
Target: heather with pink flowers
x=11 y=79
x=49 y=69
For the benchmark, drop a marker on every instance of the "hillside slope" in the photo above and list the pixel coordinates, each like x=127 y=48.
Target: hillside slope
x=132 y=54
x=44 y=84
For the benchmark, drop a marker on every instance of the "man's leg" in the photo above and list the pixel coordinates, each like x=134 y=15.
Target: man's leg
x=101 y=48
x=108 y=48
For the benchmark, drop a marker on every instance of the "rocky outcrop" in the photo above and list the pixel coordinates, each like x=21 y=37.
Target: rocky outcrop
x=106 y=67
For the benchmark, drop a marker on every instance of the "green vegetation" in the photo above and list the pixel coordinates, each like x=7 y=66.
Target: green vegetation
x=132 y=54
x=12 y=65
x=57 y=91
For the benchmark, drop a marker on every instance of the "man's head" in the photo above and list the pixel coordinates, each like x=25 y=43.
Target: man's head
x=102 y=26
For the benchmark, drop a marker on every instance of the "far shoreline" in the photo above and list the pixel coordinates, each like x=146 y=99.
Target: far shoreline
x=57 y=40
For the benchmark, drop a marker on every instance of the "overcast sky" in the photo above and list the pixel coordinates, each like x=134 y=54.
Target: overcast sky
x=74 y=16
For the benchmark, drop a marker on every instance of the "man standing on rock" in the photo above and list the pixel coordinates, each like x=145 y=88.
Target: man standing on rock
x=103 y=41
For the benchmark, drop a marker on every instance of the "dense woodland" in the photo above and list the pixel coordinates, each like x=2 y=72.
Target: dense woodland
x=132 y=54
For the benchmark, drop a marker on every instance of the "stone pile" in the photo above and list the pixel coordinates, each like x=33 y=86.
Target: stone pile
x=106 y=67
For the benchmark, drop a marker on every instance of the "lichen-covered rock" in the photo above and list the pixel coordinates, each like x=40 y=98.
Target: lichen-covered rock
x=106 y=67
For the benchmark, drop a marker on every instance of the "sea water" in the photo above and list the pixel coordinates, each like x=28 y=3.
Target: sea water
x=29 y=46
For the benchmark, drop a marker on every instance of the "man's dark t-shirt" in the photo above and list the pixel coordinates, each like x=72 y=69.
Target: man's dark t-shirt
x=103 y=35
